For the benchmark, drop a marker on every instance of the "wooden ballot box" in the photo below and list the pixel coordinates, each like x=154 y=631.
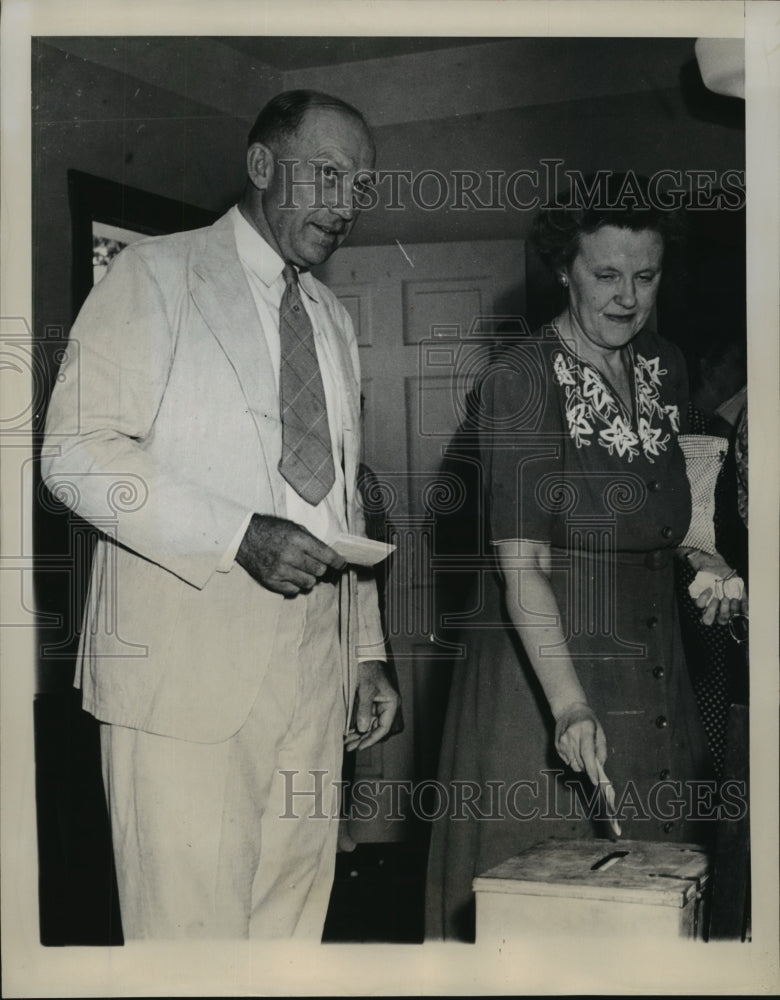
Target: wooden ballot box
x=629 y=888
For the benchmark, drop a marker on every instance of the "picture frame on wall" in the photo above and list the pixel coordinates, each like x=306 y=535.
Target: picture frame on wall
x=106 y=216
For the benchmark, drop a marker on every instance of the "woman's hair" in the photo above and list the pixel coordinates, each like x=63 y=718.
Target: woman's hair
x=282 y=115
x=606 y=199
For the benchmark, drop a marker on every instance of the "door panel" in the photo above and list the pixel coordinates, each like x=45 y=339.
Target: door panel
x=430 y=306
x=425 y=316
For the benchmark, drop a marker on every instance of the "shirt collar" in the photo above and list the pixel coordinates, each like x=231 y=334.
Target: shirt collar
x=261 y=259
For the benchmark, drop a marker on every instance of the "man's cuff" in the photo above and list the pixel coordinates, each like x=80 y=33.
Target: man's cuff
x=226 y=562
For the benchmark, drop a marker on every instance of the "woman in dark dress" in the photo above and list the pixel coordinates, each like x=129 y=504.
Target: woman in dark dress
x=574 y=663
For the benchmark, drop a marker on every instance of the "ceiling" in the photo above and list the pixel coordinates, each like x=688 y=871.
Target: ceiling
x=303 y=52
x=394 y=80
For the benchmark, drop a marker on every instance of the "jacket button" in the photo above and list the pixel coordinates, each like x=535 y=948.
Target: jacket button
x=658 y=672
x=654 y=486
x=652 y=622
x=668 y=827
x=666 y=532
x=665 y=774
x=661 y=722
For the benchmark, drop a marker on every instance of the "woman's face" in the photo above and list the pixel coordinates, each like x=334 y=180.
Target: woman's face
x=613 y=282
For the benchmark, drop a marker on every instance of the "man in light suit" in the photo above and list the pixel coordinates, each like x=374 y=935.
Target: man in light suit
x=226 y=646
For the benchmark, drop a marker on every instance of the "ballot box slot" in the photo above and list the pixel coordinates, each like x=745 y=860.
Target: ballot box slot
x=609 y=860
x=680 y=878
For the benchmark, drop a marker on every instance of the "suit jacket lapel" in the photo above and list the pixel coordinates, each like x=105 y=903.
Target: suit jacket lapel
x=221 y=293
x=350 y=413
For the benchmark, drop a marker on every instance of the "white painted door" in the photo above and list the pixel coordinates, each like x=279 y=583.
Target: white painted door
x=425 y=316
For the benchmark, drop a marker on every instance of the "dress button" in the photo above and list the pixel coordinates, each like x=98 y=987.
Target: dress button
x=668 y=827
x=666 y=532
x=652 y=622
x=654 y=486
x=658 y=672
x=665 y=774
x=661 y=722
x=656 y=559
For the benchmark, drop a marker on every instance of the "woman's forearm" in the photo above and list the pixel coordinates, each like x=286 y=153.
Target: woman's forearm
x=534 y=612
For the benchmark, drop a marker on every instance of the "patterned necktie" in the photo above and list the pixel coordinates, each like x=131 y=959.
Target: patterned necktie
x=307 y=457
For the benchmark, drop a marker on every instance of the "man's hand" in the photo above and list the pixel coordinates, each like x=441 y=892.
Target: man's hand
x=283 y=556
x=376 y=702
x=580 y=740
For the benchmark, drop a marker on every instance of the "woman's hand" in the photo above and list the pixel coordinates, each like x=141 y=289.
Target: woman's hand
x=580 y=740
x=718 y=606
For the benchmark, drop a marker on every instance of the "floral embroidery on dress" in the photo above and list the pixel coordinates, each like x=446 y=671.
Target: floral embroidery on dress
x=565 y=369
x=620 y=438
x=673 y=413
x=647 y=376
x=590 y=402
x=652 y=443
x=651 y=369
x=594 y=389
x=579 y=425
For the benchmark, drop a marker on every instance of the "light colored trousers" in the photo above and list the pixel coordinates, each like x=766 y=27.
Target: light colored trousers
x=215 y=840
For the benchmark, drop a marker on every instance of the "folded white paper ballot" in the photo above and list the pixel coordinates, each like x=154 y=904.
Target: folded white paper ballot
x=360 y=551
x=732 y=587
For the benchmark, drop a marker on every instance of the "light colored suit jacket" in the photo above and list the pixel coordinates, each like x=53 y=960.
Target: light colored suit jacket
x=163 y=430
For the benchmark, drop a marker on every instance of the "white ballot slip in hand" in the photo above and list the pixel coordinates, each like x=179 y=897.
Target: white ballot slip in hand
x=360 y=551
x=608 y=791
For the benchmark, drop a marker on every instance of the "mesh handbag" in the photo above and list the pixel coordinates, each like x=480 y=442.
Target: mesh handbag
x=704 y=457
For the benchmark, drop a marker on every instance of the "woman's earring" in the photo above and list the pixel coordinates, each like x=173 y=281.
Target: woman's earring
x=564 y=281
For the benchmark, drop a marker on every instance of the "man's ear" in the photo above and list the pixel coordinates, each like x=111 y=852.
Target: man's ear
x=259 y=165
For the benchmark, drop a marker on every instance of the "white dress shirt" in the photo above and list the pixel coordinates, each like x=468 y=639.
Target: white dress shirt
x=263 y=268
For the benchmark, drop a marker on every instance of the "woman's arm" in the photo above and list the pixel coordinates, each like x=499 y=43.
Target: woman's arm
x=533 y=609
